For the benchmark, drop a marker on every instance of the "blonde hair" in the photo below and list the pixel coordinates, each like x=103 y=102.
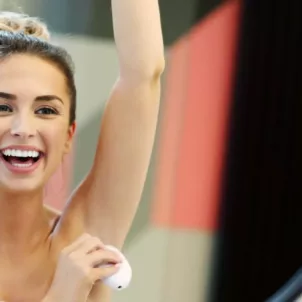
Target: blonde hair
x=22 y=23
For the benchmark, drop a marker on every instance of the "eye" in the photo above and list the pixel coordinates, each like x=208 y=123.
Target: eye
x=5 y=108
x=46 y=111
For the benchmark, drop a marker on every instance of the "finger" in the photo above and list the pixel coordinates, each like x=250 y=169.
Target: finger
x=100 y=273
x=88 y=246
x=102 y=257
x=74 y=245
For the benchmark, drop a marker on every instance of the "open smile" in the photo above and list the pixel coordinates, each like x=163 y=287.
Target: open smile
x=21 y=160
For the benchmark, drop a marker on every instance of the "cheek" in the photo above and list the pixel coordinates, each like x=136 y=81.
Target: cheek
x=56 y=137
x=5 y=125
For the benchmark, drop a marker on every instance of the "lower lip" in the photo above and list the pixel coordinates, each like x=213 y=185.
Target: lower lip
x=22 y=170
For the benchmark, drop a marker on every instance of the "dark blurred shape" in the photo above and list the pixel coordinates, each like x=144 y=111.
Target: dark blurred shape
x=261 y=218
x=291 y=291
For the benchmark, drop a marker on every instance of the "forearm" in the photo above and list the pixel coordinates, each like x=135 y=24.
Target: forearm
x=138 y=37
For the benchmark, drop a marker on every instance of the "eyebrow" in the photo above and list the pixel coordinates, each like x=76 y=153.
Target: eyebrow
x=12 y=97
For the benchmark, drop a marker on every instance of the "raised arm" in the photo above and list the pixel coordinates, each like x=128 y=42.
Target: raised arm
x=138 y=38
x=106 y=202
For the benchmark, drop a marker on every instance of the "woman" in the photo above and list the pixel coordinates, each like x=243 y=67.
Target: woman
x=37 y=125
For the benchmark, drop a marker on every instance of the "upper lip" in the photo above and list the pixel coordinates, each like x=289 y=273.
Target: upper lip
x=22 y=147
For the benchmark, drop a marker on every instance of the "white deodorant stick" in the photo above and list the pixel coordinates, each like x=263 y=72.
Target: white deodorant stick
x=122 y=278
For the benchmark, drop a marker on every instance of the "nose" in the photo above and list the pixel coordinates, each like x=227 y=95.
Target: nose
x=23 y=126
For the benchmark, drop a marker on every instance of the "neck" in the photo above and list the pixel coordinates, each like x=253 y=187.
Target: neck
x=23 y=221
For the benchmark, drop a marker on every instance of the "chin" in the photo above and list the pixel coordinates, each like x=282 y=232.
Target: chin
x=18 y=179
x=20 y=183
x=20 y=186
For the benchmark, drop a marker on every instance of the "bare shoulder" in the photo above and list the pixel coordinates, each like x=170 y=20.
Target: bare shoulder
x=52 y=213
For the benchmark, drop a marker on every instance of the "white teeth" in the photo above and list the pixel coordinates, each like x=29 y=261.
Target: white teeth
x=21 y=153
x=22 y=165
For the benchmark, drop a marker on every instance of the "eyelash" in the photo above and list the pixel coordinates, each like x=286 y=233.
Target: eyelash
x=5 y=108
x=51 y=111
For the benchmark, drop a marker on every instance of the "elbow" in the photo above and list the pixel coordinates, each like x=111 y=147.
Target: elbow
x=159 y=68
x=155 y=70
x=150 y=72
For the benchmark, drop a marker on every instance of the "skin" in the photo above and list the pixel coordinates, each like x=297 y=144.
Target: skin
x=25 y=225
x=106 y=201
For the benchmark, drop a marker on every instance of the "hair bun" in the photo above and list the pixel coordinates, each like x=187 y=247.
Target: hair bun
x=14 y=22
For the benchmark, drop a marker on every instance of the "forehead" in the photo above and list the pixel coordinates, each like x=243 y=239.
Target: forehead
x=31 y=76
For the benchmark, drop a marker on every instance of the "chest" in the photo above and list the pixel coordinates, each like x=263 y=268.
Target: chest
x=27 y=279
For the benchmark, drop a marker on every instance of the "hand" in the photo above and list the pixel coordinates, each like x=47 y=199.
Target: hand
x=78 y=269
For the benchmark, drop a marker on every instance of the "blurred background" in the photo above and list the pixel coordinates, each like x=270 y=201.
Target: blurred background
x=220 y=216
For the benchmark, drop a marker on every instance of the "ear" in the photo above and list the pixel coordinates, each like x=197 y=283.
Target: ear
x=69 y=139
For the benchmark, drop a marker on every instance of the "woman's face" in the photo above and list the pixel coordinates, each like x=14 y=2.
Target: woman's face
x=34 y=122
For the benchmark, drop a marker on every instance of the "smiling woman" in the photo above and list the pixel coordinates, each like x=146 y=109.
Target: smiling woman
x=34 y=110
x=39 y=260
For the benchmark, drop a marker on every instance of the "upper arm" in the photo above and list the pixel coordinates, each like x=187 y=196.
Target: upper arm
x=105 y=203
